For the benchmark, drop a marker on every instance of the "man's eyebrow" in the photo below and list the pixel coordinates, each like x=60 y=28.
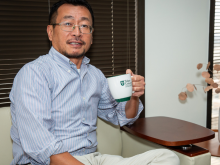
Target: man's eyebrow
x=68 y=16
x=82 y=18
x=85 y=19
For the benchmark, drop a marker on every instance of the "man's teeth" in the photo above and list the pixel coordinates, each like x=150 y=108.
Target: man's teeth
x=73 y=43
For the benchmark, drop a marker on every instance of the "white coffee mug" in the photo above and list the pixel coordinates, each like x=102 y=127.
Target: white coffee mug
x=120 y=87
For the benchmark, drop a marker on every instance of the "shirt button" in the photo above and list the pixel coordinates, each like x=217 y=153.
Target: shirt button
x=88 y=134
x=69 y=71
x=83 y=149
x=83 y=119
x=83 y=98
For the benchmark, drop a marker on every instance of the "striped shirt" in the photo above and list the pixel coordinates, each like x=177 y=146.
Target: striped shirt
x=54 y=108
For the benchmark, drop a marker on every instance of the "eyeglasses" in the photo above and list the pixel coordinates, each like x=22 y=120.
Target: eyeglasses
x=70 y=26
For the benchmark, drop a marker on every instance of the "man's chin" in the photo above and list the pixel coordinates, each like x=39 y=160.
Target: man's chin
x=74 y=55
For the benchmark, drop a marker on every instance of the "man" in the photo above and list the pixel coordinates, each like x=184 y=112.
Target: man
x=55 y=100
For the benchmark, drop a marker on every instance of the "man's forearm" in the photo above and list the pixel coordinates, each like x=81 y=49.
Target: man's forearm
x=131 y=107
x=64 y=159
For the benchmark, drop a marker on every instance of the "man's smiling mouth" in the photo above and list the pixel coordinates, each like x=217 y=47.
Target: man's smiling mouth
x=75 y=43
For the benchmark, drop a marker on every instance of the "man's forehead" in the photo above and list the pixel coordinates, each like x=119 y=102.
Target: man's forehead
x=69 y=11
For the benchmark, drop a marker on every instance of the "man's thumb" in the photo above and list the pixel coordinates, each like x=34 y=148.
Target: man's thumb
x=129 y=71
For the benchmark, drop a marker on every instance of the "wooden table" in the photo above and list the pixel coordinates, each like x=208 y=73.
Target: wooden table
x=171 y=133
x=212 y=145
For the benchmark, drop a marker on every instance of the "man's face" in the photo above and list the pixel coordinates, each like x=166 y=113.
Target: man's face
x=71 y=44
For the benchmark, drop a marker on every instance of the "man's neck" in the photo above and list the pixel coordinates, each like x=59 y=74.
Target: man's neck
x=77 y=61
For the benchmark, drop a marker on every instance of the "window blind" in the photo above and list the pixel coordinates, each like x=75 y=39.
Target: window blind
x=214 y=106
x=114 y=48
x=216 y=47
x=216 y=53
x=100 y=52
x=23 y=37
x=124 y=19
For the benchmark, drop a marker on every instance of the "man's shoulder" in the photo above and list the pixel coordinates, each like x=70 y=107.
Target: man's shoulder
x=39 y=66
x=95 y=70
x=41 y=63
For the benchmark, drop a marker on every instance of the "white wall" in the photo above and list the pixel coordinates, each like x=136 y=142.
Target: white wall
x=176 y=41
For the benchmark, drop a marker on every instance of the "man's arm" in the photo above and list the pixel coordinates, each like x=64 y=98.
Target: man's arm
x=131 y=107
x=138 y=86
x=124 y=112
x=64 y=159
x=31 y=100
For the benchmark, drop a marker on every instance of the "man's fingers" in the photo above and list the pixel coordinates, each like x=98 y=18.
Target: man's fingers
x=138 y=94
x=137 y=78
x=138 y=89
x=129 y=71
x=138 y=84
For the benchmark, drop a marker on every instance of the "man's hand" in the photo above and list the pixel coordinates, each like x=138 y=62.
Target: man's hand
x=64 y=159
x=138 y=84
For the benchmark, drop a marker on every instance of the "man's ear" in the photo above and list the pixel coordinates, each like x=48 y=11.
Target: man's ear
x=92 y=36
x=50 y=32
x=92 y=40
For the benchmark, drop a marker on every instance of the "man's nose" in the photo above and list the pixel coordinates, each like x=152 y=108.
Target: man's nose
x=76 y=31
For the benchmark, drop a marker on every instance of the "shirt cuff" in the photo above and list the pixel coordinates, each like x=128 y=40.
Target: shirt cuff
x=53 y=149
x=123 y=120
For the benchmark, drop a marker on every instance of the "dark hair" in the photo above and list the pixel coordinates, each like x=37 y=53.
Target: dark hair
x=54 y=8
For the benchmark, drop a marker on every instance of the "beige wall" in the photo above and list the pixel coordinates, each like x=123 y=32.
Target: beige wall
x=176 y=41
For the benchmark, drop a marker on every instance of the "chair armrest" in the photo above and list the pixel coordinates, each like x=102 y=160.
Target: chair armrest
x=133 y=145
x=109 y=138
x=6 y=155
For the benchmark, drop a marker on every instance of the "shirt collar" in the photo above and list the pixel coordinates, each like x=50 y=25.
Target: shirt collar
x=63 y=60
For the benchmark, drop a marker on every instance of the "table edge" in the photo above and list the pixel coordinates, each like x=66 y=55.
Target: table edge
x=164 y=142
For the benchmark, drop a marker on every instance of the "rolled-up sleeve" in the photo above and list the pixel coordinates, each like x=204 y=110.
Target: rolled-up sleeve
x=112 y=111
x=32 y=108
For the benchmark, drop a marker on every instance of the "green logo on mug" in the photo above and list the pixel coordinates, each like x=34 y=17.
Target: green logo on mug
x=122 y=83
